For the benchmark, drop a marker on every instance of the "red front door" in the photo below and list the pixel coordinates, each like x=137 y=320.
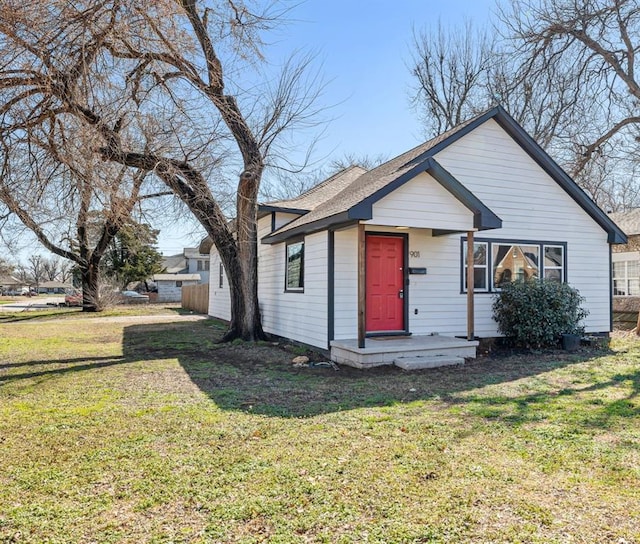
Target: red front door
x=385 y=283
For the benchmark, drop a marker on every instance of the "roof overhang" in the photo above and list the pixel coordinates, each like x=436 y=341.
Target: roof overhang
x=483 y=217
x=265 y=209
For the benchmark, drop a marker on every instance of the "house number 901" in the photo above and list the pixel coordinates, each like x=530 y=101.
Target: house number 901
x=415 y=254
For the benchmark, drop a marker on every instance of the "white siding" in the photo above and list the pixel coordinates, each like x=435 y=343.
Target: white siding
x=422 y=202
x=282 y=219
x=301 y=316
x=219 y=298
x=346 y=284
x=532 y=207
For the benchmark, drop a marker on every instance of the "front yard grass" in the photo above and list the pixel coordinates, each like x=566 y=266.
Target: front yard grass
x=113 y=431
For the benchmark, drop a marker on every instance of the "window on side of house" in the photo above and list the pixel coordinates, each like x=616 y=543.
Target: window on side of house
x=626 y=278
x=554 y=263
x=206 y=266
x=178 y=283
x=480 y=266
x=221 y=276
x=294 y=273
x=512 y=261
x=199 y=266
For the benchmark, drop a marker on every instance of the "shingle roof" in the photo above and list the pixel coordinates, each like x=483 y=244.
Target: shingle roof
x=628 y=221
x=344 y=202
x=174 y=263
x=346 y=189
x=320 y=193
x=176 y=277
x=10 y=280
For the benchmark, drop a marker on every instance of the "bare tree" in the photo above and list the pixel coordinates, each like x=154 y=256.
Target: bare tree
x=36 y=269
x=558 y=93
x=65 y=271
x=73 y=203
x=602 y=38
x=50 y=267
x=6 y=268
x=162 y=102
x=460 y=72
x=450 y=67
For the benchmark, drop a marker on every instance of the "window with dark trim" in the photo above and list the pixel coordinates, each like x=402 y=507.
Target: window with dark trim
x=500 y=261
x=294 y=273
x=178 y=283
x=221 y=276
x=480 y=266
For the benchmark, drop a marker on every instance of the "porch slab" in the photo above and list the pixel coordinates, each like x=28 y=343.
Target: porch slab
x=385 y=350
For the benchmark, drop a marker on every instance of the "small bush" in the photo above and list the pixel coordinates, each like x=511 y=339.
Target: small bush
x=534 y=313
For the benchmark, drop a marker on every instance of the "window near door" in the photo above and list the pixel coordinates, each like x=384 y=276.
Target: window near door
x=511 y=261
x=480 y=266
x=294 y=280
x=626 y=280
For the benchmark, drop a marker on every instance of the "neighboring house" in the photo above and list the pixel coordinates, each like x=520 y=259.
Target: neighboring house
x=365 y=255
x=192 y=260
x=11 y=286
x=626 y=258
x=198 y=259
x=170 y=285
x=53 y=287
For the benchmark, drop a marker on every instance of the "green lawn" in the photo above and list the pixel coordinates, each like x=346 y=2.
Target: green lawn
x=121 y=431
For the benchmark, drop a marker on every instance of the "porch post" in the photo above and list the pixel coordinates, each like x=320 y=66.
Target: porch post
x=361 y=285
x=470 y=282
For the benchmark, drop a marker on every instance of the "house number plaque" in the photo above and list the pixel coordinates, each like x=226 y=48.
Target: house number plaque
x=414 y=254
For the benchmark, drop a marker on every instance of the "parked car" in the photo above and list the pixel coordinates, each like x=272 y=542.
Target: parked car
x=73 y=298
x=133 y=297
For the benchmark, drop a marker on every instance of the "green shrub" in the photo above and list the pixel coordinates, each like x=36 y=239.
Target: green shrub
x=534 y=313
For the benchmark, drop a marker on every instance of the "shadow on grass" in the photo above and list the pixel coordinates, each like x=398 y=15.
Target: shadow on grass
x=261 y=379
x=32 y=314
x=108 y=361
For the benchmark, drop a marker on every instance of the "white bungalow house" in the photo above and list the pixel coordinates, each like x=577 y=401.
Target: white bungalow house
x=366 y=257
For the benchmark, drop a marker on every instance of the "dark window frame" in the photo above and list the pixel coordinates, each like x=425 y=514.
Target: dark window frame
x=221 y=276
x=486 y=267
x=491 y=288
x=300 y=287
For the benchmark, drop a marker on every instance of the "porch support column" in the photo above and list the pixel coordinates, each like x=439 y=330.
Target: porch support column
x=361 y=285
x=470 y=282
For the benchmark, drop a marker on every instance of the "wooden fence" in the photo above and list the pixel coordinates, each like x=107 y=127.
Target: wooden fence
x=196 y=298
x=625 y=312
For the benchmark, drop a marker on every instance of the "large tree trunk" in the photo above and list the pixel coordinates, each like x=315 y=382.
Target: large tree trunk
x=90 y=288
x=243 y=282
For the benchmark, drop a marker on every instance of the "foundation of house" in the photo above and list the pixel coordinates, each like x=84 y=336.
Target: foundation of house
x=407 y=352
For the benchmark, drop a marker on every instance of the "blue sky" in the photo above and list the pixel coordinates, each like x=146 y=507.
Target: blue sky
x=364 y=49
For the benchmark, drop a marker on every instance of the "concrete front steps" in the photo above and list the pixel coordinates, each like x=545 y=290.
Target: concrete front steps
x=431 y=361
x=408 y=352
